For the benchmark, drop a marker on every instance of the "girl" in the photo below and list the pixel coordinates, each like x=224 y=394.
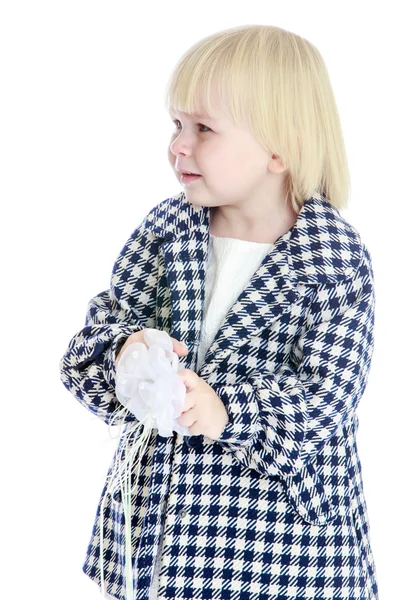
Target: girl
x=253 y=267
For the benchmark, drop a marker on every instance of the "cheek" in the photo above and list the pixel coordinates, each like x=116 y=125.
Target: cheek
x=244 y=165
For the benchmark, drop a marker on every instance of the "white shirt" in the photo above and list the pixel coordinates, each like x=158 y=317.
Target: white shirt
x=231 y=265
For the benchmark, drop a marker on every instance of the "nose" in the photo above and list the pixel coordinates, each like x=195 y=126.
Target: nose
x=181 y=145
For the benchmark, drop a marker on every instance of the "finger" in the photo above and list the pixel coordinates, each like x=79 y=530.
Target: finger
x=188 y=403
x=189 y=378
x=187 y=419
x=178 y=347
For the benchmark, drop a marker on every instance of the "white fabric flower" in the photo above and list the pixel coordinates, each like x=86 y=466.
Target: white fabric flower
x=147 y=383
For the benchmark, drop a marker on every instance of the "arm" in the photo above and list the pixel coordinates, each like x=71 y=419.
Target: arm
x=88 y=365
x=279 y=421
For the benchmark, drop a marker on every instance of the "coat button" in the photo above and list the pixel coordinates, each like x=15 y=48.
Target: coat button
x=194 y=441
x=182 y=513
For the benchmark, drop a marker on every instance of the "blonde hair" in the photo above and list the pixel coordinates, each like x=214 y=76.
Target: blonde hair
x=276 y=84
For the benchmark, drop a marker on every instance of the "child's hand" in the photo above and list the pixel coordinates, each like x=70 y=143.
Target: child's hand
x=203 y=411
x=138 y=336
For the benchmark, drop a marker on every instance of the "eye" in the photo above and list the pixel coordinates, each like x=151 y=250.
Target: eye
x=200 y=125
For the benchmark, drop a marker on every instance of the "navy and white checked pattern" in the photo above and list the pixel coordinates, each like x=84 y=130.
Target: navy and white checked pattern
x=275 y=508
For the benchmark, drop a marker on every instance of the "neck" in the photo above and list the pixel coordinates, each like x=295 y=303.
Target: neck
x=266 y=229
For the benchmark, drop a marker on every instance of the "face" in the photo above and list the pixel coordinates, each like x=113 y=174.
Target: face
x=234 y=168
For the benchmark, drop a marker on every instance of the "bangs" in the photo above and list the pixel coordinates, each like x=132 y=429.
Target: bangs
x=213 y=80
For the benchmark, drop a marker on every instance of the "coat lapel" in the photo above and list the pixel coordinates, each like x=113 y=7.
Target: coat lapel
x=318 y=248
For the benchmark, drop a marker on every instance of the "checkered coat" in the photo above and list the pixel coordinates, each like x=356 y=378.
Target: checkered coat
x=275 y=508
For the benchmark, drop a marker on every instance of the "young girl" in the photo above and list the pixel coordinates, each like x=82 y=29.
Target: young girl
x=253 y=267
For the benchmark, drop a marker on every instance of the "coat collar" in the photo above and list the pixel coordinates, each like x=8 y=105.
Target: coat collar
x=321 y=247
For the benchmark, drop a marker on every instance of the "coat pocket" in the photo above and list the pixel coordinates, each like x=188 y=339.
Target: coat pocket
x=306 y=494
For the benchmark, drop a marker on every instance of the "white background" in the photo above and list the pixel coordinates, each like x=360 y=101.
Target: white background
x=83 y=143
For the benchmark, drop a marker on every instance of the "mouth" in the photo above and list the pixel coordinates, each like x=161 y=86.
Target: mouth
x=188 y=178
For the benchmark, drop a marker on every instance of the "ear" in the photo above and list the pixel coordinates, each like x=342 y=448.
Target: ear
x=275 y=164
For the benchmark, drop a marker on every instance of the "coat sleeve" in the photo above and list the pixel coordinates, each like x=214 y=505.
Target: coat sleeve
x=88 y=365
x=279 y=421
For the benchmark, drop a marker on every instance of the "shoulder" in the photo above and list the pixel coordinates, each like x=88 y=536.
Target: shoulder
x=324 y=246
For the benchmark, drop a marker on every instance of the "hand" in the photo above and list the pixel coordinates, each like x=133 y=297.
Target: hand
x=203 y=411
x=138 y=336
